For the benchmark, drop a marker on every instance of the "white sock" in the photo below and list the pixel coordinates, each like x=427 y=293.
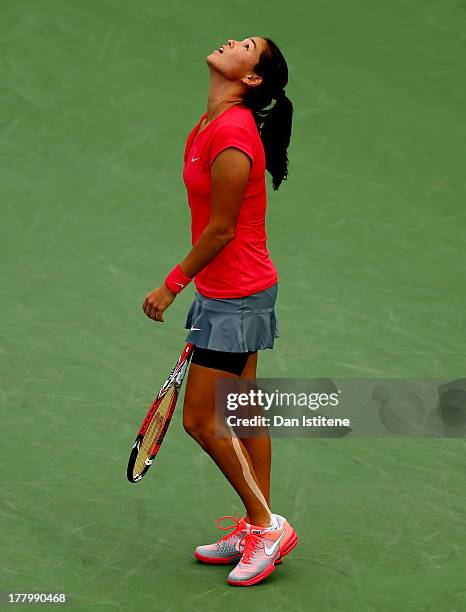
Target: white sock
x=275 y=523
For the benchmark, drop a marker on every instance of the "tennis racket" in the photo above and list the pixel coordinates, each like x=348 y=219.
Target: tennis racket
x=155 y=425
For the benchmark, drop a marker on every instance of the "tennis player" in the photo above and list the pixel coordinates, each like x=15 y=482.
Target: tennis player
x=246 y=130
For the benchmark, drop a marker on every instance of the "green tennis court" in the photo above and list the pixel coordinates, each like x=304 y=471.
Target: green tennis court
x=368 y=235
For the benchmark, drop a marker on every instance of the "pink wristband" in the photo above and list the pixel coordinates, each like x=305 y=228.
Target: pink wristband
x=177 y=280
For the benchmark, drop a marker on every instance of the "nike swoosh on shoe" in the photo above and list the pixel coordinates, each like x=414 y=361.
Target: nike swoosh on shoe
x=269 y=551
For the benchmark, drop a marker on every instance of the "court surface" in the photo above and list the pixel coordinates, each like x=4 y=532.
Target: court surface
x=368 y=237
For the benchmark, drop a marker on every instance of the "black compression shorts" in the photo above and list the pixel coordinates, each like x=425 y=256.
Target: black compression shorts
x=221 y=360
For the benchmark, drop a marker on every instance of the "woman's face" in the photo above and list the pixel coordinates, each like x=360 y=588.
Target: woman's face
x=236 y=59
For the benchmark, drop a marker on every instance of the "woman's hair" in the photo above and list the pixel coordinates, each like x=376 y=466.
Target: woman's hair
x=274 y=124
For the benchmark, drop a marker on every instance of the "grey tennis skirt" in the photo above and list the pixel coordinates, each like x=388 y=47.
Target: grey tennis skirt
x=234 y=325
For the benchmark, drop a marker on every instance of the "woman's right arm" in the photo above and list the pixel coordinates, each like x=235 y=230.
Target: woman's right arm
x=230 y=174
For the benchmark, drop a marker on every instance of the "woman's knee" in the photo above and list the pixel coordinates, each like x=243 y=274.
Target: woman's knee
x=198 y=427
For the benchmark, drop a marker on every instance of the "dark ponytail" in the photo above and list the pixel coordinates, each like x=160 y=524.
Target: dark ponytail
x=274 y=124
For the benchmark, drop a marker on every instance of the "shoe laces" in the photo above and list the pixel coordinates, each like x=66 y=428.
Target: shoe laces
x=251 y=543
x=238 y=526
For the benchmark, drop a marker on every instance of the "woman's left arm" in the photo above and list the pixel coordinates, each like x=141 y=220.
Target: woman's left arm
x=230 y=173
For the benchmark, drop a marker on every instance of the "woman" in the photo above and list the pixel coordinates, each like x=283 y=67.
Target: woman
x=233 y=315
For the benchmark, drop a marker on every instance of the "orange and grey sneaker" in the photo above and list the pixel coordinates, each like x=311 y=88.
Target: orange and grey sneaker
x=228 y=549
x=263 y=548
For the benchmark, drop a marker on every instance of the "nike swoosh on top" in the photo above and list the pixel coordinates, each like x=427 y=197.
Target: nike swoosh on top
x=269 y=551
x=193 y=159
x=196 y=329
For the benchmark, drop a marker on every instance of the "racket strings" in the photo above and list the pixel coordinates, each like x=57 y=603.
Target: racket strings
x=153 y=431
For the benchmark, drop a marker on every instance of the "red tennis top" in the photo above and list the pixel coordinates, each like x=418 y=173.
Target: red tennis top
x=243 y=266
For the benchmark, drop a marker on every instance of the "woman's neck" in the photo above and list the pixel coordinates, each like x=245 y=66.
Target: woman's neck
x=222 y=95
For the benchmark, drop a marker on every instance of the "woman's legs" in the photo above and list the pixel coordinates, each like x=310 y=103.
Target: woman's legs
x=230 y=454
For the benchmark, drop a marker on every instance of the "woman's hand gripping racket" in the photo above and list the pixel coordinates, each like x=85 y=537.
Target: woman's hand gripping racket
x=155 y=425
